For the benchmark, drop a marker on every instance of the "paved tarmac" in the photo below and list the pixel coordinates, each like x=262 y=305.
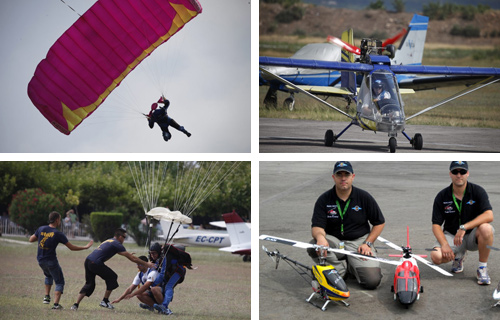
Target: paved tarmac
x=295 y=136
x=405 y=192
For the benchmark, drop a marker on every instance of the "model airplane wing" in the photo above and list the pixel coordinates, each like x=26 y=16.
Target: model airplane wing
x=305 y=245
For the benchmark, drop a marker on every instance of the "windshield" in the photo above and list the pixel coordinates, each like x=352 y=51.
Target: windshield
x=379 y=99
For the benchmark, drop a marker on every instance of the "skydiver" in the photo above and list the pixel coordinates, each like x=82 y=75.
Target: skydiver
x=160 y=116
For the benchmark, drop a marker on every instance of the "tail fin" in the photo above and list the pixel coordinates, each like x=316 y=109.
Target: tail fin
x=348 y=79
x=239 y=233
x=411 y=49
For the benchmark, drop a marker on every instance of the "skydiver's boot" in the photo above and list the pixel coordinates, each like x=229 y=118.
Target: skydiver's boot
x=185 y=131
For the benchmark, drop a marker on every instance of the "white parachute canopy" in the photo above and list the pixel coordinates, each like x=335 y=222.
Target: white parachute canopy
x=160 y=213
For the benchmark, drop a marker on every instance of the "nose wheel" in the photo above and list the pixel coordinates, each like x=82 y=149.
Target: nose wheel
x=392 y=144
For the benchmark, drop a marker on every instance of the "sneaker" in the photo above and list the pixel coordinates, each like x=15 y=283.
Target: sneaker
x=482 y=276
x=57 y=307
x=458 y=265
x=46 y=300
x=74 y=307
x=106 y=305
x=162 y=309
x=147 y=307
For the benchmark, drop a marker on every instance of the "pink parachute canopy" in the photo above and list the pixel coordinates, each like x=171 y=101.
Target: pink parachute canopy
x=98 y=51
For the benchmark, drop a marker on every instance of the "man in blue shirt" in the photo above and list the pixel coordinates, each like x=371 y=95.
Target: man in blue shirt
x=48 y=238
x=94 y=266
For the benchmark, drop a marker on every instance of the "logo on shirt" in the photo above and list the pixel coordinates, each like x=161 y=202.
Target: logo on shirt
x=356 y=208
x=449 y=209
x=332 y=213
x=470 y=202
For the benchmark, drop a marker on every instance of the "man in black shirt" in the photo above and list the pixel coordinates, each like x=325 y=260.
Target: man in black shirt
x=345 y=213
x=466 y=212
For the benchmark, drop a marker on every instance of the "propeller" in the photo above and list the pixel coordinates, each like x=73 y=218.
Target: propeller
x=349 y=47
x=394 y=39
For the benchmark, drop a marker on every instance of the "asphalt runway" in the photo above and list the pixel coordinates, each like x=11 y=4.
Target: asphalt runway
x=298 y=136
x=405 y=192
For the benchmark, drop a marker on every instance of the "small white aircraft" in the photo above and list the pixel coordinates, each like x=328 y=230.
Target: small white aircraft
x=239 y=232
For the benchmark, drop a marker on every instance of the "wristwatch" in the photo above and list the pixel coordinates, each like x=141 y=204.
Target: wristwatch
x=462 y=227
x=368 y=243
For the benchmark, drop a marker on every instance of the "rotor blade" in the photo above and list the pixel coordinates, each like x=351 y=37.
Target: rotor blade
x=305 y=245
x=395 y=38
x=343 y=45
x=492 y=248
x=305 y=92
x=390 y=244
x=433 y=266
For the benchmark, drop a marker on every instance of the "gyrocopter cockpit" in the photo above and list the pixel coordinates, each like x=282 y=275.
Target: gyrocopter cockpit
x=379 y=103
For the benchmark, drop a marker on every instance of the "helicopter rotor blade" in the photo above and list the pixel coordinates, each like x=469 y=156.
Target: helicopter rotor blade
x=492 y=248
x=343 y=45
x=433 y=266
x=305 y=245
x=417 y=257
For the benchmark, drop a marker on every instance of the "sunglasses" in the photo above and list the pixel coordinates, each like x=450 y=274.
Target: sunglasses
x=457 y=171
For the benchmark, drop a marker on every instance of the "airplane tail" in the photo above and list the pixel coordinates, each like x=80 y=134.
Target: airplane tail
x=239 y=233
x=411 y=49
x=348 y=79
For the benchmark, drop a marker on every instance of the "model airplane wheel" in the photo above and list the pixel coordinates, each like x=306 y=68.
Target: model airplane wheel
x=418 y=141
x=289 y=103
x=392 y=144
x=329 y=138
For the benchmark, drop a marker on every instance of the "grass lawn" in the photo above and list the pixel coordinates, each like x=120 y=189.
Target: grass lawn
x=219 y=289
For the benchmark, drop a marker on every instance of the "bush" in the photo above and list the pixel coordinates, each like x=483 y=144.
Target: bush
x=104 y=224
x=467 y=31
x=139 y=231
x=290 y=14
x=30 y=208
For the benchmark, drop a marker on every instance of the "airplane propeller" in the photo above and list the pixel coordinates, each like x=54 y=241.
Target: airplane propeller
x=343 y=45
x=394 y=39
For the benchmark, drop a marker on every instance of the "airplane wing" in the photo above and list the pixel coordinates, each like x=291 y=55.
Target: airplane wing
x=305 y=245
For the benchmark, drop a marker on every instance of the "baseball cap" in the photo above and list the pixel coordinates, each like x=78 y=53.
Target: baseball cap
x=343 y=166
x=459 y=165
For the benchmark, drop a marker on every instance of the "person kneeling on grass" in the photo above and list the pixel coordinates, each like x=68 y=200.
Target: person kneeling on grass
x=144 y=279
x=94 y=266
x=48 y=238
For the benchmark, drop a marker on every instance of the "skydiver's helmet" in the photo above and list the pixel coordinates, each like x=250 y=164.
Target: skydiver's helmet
x=167 y=103
x=156 y=247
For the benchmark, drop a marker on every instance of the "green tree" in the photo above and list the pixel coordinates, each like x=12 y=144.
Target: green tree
x=30 y=208
x=399 y=5
x=376 y=5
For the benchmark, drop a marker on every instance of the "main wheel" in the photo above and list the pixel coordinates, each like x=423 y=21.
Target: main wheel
x=289 y=103
x=329 y=138
x=418 y=141
x=392 y=144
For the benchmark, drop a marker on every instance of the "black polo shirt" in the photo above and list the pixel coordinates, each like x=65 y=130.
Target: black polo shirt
x=362 y=209
x=474 y=202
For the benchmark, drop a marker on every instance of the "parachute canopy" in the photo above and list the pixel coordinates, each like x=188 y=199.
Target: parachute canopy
x=98 y=51
x=165 y=214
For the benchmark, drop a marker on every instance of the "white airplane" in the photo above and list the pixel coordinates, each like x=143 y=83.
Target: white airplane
x=235 y=240
x=239 y=232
